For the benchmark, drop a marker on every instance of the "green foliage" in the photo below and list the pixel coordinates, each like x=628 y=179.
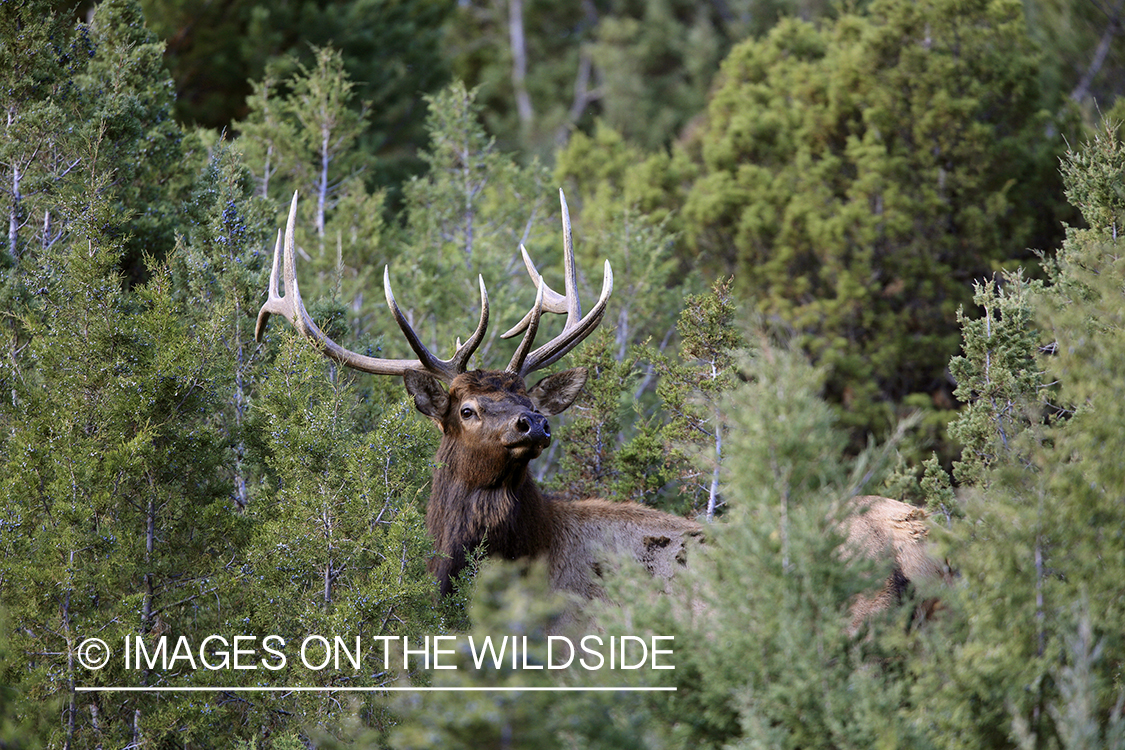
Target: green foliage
x=587 y=46
x=302 y=134
x=780 y=420
x=118 y=509
x=691 y=390
x=38 y=51
x=357 y=567
x=616 y=176
x=550 y=70
x=218 y=271
x=655 y=66
x=760 y=616
x=1035 y=657
x=856 y=175
x=391 y=48
x=15 y=731
x=139 y=490
x=613 y=449
x=998 y=377
x=1080 y=457
x=513 y=601
x=132 y=134
x=163 y=475
x=81 y=103
x=1086 y=52
x=597 y=460
x=937 y=489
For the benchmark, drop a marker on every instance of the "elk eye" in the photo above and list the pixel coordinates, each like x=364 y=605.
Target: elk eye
x=466 y=412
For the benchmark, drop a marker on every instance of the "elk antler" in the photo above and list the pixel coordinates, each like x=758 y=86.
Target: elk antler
x=577 y=327
x=294 y=311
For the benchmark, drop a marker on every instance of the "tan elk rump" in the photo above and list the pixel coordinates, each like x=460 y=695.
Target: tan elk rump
x=879 y=529
x=492 y=426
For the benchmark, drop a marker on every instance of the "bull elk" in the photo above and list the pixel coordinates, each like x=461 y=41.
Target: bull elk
x=492 y=426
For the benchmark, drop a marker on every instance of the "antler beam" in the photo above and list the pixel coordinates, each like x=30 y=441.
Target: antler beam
x=293 y=309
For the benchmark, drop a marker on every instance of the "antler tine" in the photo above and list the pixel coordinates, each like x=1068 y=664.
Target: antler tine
x=293 y=309
x=552 y=301
x=570 y=275
x=444 y=369
x=273 y=295
x=571 y=336
x=533 y=318
x=576 y=328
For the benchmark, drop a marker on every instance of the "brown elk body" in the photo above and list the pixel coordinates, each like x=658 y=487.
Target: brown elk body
x=493 y=426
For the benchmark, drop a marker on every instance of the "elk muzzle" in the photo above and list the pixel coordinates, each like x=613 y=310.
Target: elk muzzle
x=528 y=430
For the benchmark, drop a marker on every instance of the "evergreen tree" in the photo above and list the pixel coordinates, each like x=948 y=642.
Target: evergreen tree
x=219 y=269
x=1086 y=49
x=668 y=452
x=39 y=54
x=513 y=601
x=132 y=134
x=999 y=378
x=120 y=517
x=338 y=546
x=857 y=176
x=550 y=70
x=760 y=616
x=691 y=392
x=1033 y=657
x=392 y=49
x=626 y=201
x=616 y=176
x=302 y=134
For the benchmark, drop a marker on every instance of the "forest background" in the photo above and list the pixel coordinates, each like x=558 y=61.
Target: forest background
x=867 y=247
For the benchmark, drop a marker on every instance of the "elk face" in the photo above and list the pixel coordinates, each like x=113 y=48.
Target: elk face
x=489 y=420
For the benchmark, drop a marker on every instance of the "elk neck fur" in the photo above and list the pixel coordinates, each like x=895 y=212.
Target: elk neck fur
x=469 y=506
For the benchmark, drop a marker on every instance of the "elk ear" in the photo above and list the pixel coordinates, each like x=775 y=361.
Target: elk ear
x=429 y=395
x=555 y=393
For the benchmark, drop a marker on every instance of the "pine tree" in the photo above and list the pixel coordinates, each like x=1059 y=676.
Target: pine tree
x=219 y=269
x=37 y=149
x=303 y=134
x=1032 y=655
x=392 y=49
x=338 y=544
x=113 y=481
x=856 y=176
x=999 y=378
x=549 y=71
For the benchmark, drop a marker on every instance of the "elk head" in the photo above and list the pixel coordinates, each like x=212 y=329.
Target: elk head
x=498 y=424
x=491 y=424
x=428 y=377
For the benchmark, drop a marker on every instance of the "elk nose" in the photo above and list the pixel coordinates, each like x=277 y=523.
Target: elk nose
x=533 y=426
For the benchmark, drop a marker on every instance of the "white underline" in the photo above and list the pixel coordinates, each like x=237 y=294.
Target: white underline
x=368 y=689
